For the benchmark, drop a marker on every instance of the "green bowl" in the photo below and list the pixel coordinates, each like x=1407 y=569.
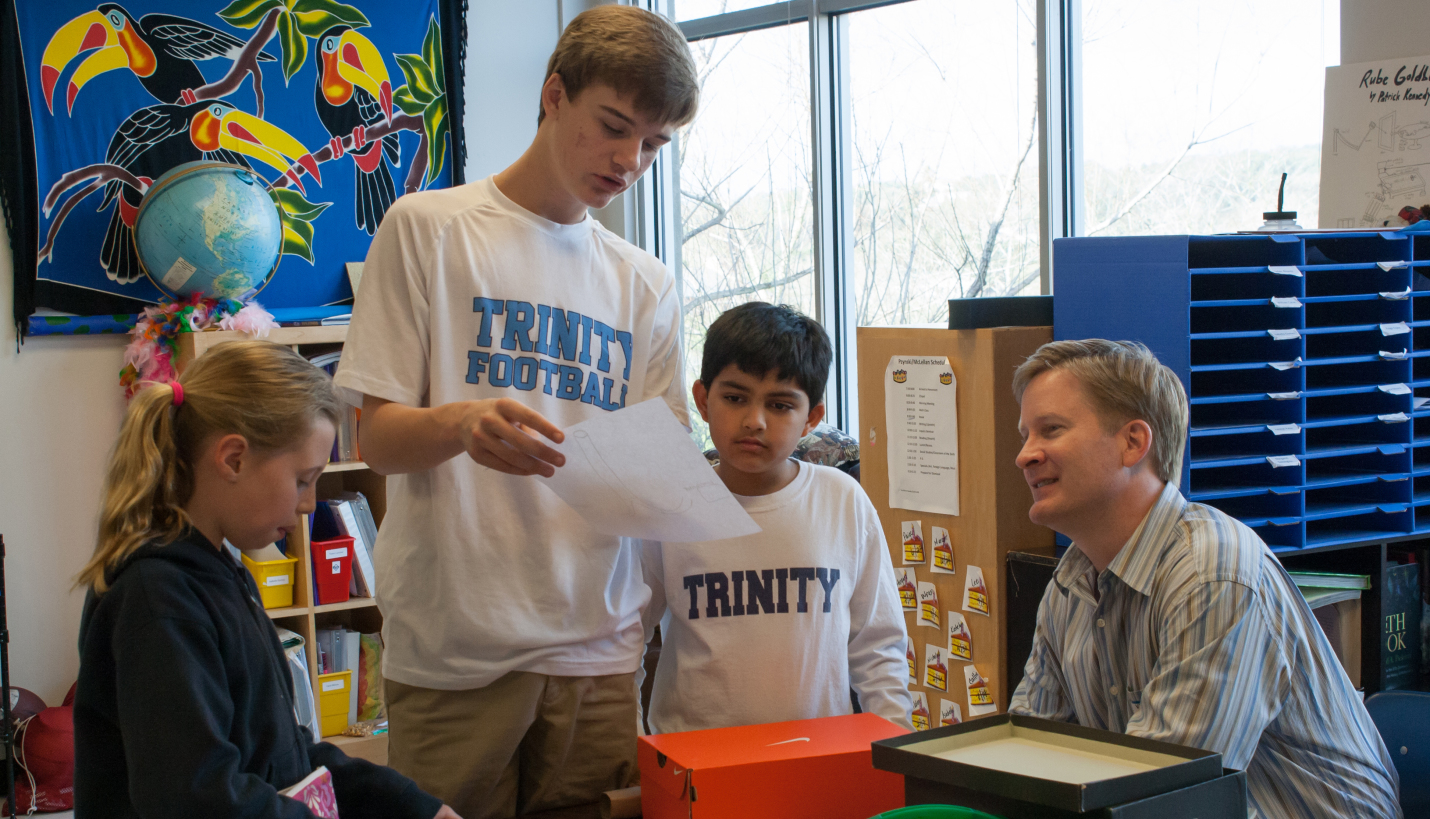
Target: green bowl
x=934 y=812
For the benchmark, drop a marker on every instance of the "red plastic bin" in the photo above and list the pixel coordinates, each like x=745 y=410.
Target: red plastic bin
x=333 y=569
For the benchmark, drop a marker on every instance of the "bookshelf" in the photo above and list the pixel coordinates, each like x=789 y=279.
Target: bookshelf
x=303 y=617
x=1306 y=359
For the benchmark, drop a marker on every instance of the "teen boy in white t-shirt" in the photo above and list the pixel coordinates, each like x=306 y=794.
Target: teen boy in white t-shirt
x=778 y=625
x=492 y=314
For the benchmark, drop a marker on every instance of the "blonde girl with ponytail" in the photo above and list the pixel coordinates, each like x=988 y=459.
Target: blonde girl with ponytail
x=184 y=704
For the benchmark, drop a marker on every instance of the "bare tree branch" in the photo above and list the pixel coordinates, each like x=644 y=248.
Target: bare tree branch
x=986 y=259
x=746 y=289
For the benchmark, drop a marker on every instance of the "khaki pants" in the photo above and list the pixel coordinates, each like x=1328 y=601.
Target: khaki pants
x=526 y=743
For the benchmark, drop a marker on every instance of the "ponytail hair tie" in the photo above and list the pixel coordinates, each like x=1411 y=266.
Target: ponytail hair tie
x=178 y=393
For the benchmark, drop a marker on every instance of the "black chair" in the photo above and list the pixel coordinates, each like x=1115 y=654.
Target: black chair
x=1403 y=718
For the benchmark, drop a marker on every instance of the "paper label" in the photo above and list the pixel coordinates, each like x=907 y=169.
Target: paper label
x=277 y=580
x=919 y=716
x=975 y=591
x=913 y=537
x=1283 y=396
x=1395 y=329
x=1286 y=301
x=960 y=640
x=179 y=273
x=1284 y=365
x=1395 y=389
x=1391 y=265
x=935 y=667
x=1389 y=356
x=1285 y=335
x=335 y=685
x=921 y=418
x=980 y=698
x=1420 y=402
x=1401 y=295
x=942 y=551
x=913 y=665
x=1284 y=429
x=1279 y=461
x=949 y=713
x=1284 y=269
x=1394 y=417
x=337 y=567
x=908 y=588
x=928 y=604
x=332 y=553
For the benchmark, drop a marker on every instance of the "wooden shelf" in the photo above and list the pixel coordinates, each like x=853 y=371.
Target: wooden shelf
x=350 y=603
x=359 y=613
x=298 y=611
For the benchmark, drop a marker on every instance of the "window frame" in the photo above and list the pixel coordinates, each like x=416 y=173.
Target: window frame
x=1060 y=160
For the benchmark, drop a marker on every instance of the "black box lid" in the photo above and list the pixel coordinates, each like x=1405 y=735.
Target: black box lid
x=1176 y=766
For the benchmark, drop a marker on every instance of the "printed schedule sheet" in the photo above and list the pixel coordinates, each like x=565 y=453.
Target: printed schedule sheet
x=921 y=416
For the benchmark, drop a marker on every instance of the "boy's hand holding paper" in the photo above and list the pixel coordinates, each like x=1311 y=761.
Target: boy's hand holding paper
x=637 y=473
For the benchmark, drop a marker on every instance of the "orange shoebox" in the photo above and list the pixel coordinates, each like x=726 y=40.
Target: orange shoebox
x=812 y=767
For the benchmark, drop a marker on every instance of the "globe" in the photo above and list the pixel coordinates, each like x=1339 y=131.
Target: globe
x=209 y=228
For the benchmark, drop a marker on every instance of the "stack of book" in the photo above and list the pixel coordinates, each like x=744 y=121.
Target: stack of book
x=350 y=515
x=345 y=446
x=1334 y=599
x=342 y=649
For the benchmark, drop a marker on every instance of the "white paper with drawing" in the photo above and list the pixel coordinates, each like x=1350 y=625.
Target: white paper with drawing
x=637 y=473
x=1375 y=146
x=921 y=416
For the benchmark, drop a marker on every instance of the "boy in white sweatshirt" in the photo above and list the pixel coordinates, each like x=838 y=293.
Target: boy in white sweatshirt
x=781 y=624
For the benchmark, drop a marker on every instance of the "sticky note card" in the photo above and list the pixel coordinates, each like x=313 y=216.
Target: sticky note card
x=908 y=583
x=935 y=667
x=1284 y=269
x=942 y=552
x=975 y=591
x=1286 y=301
x=928 y=604
x=949 y=713
x=1285 y=335
x=913 y=538
x=919 y=716
x=960 y=639
x=980 y=697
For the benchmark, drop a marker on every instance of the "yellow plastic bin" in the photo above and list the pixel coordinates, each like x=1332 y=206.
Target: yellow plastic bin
x=333 y=699
x=274 y=578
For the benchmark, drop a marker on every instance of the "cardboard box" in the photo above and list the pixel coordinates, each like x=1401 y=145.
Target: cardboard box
x=1018 y=766
x=783 y=770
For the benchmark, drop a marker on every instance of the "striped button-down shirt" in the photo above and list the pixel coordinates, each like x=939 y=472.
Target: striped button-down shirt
x=1195 y=635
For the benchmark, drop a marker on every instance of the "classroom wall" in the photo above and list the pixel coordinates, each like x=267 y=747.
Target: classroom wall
x=60 y=399
x=1383 y=30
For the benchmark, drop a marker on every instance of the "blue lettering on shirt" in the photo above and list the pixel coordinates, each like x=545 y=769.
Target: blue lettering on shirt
x=751 y=591
x=553 y=335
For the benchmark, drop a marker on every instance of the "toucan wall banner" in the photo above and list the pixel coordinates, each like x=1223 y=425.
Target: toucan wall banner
x=340 y=107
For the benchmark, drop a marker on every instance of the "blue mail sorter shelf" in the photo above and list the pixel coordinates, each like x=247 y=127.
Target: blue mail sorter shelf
x=1303 y=356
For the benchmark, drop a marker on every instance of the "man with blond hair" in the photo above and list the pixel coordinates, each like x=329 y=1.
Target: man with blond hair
x=1171 y=620
x=492 y=316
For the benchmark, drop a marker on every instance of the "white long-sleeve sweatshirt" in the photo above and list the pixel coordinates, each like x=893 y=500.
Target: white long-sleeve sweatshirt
x=781 y=624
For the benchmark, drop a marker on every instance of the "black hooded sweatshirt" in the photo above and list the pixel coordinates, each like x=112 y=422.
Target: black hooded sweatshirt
x=184 y=707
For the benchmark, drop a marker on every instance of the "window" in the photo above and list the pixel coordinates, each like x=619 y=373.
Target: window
x=695 y=9
x=943 y=98
x=746 y=206
x=867 y=160
x=1191 y=133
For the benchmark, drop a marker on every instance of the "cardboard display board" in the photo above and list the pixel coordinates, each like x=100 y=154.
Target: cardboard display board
x=993 y=509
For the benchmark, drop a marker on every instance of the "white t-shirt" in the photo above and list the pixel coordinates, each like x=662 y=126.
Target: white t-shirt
x=466 y=295
x=780 y=624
